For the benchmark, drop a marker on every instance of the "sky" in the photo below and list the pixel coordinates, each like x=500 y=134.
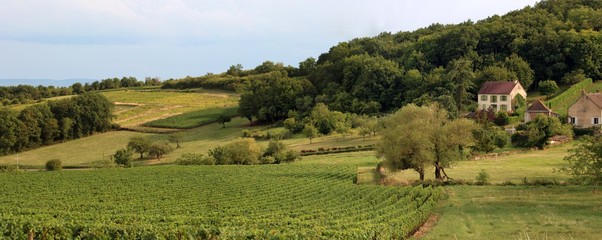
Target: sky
x=97 y=39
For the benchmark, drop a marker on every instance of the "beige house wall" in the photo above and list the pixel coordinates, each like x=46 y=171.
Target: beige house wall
x=485 y=104
x=584 y=110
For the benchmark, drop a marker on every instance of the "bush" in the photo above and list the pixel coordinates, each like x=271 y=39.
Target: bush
x=8 y=168
x=195 y=159
x=123 y=157
x=590 y=131
x=482 y=178
x=242 y=151
x=54 y=165
x=502 y=118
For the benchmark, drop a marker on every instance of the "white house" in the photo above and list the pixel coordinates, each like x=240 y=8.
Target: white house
x=500 y=96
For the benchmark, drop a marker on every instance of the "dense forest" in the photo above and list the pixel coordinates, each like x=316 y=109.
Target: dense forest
x=557 y=40
x=46 y=123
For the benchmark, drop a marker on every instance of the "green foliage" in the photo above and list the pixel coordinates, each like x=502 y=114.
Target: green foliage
x=585 y=161
x=269 y=97
x=223 y=119
x=483 y=177
x=418 y=137
x=176 y=138
x=239 y=152
x=54 y=165
x=548 y=87
x=60 y=120
x=276 y=152
x=501 y=118
x=310 y=131
x=123 y=157
x=488 y=137
x=538 y=132
x=195 y=159
x=140 y=145
x=574 y=77
x=157 y=150
x=217 y=196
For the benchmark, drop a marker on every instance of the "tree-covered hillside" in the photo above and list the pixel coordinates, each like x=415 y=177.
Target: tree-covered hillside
x=554 y=40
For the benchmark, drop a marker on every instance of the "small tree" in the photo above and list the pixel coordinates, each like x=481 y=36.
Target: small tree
x=548 y=87
x=176 y=138
x=123 y=157
x=364 y=131
x=140 y=145
x=585 y=161
x=54 y=165
x=223 y=119
x=310 y=132
x=159 y=149
x=483 y=177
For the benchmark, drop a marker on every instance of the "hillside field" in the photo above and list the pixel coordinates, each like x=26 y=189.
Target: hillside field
x=135 y=107
x=310 y=201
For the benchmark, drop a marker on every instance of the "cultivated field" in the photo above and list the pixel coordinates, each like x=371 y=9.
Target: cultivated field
x=311 y=201
x=135 y=107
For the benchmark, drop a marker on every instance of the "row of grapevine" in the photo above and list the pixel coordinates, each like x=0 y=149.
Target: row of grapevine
x=203 y=202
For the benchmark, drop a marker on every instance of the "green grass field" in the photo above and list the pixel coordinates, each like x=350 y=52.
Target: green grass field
x=193 y=119
x=80 y=152
x=135 y=107
x=310 y=201
x=507 y=212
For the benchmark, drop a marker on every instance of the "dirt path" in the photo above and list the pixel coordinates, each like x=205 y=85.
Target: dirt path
x=426 y=226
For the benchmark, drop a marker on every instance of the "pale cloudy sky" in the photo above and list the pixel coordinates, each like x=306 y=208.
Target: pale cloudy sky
x=61 y=39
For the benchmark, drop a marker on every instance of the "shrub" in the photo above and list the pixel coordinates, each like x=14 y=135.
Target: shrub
x=502 y=118
x=242 y=151
x=8 y=168
x=195 y=159
x=54 y=165
x=123 y=157
x=482 y=178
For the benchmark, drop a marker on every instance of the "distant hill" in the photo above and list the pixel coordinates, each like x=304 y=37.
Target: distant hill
x=43 y=82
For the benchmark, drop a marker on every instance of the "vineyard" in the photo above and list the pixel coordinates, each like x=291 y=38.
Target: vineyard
x=312 y=201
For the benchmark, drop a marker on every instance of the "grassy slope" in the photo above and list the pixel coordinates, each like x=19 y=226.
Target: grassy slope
x=75 y=153
x=137 y=107
x=563 y=101
x=504 y=212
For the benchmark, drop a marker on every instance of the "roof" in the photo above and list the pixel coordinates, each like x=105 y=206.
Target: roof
x=497 y=87
x=538 y=106
x=596 y=98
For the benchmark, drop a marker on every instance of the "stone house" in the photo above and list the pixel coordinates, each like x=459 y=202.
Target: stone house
x=501 y=96
x=537 y=108
x=586 y=111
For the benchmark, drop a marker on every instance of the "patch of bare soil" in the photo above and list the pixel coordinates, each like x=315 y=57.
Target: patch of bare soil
x=426 y=226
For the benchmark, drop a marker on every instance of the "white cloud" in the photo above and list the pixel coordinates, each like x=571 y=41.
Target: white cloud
x=89 y=38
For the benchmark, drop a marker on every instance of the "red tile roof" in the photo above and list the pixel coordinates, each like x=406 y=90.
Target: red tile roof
x=538 y=106
x=497 y=87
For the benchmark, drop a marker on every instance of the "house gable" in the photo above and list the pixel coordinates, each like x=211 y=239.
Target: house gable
x=587 y=110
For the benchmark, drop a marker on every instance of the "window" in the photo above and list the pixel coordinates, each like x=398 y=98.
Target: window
x=503 y=98
x=503 y=107
x=493 y=99
x=483 y=97
x=494 y=107
x=595 y=121
x=484 y=107
x=572 y=120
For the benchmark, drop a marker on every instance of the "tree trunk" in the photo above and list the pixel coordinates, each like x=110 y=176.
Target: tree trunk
x=141 y=156
x=438 y=172
x=224 y=125
x=421 y=172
